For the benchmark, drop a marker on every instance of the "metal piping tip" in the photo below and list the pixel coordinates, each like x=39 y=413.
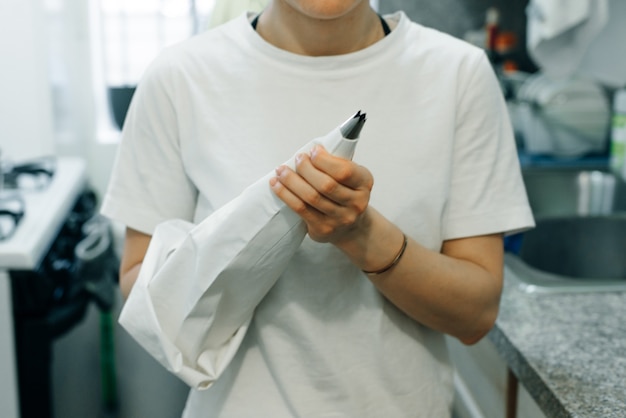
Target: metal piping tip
x=352 y=127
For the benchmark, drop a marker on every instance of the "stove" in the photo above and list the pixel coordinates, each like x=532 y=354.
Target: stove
x=35 y=201
x=47 y=190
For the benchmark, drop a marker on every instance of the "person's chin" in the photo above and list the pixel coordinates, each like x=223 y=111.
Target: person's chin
x=325 y=9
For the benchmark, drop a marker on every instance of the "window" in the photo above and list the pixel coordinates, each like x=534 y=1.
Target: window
x=133 y=32
x=130 y=35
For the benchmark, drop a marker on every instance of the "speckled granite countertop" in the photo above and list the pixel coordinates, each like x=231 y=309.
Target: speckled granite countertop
x=567 y=350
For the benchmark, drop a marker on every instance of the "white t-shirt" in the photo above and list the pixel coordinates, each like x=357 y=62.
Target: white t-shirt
x=220 y=110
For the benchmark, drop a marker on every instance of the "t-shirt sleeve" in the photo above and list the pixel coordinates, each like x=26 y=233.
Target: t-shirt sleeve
x=148 y=183
x=487 y=193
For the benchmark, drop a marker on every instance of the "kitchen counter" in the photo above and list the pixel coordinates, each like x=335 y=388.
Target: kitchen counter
x=567 y=350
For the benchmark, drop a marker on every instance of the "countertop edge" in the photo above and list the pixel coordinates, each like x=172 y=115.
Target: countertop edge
x=526 y=375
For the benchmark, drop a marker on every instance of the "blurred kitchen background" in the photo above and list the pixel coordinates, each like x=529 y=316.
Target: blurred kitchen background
x=69 y=68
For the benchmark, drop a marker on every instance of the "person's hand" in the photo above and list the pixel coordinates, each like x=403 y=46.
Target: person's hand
x=331 y=194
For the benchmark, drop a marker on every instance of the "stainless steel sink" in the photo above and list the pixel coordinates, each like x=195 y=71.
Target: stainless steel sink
x=579 y=243
x=572 y=254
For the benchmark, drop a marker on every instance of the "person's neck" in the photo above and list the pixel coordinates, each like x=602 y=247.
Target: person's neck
x=292 y=31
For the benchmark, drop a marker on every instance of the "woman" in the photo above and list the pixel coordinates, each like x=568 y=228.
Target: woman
x=404 y=242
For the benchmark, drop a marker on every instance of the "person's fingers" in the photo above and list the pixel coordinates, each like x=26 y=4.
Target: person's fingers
x=322 y=184
x=301 y=196
x=345 y=172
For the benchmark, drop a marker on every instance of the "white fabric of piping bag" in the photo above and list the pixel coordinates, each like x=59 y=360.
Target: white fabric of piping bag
x=199 y=284
x=559 y=32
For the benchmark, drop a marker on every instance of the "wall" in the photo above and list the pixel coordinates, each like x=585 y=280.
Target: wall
x=25 y=102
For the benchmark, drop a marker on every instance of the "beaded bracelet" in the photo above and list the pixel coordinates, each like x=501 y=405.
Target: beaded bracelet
x=395 y=260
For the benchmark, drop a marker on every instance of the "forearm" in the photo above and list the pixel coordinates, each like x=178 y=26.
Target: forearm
x=445 y=291
x=128 y=279
x=135 y=246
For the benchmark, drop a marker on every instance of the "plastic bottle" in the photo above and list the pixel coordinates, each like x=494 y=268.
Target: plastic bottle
x=492 y=29
x=618 y=133
x=623 y=173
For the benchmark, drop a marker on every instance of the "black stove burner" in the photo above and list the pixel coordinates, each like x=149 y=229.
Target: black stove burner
x=34 y=174
x=11 y=212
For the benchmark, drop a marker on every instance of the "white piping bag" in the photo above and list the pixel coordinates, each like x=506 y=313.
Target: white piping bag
x=199 y=284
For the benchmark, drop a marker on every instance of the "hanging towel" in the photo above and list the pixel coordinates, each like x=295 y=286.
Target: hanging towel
x=559 y=33
x=605 y=59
